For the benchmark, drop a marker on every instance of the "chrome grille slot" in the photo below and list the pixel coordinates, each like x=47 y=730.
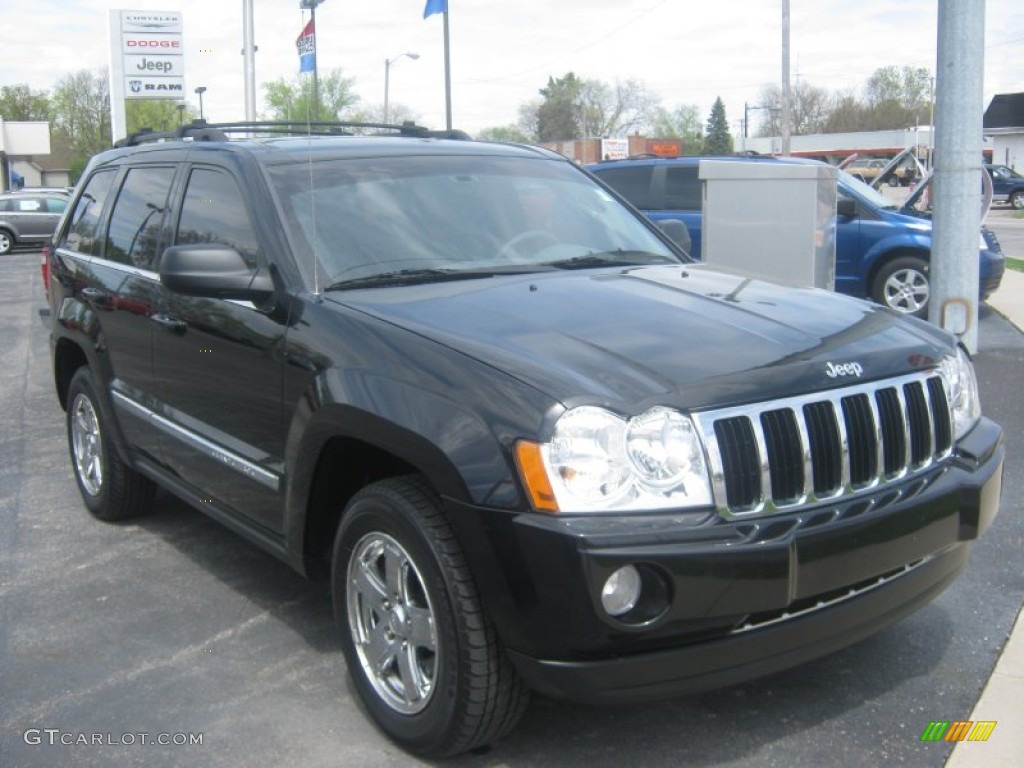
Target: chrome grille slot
x=782 y=441
x=780 y=454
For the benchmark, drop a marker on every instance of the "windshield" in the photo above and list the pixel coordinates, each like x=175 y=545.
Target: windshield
x=373 y=221
x=863 y=190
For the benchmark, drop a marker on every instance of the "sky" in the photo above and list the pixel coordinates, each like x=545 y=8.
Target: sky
x=503 y=51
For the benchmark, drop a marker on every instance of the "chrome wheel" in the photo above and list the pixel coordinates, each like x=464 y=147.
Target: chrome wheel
x=906 y=290
x=1017 y=200
x=6 y=244
x=86 y=445
x=392 y=624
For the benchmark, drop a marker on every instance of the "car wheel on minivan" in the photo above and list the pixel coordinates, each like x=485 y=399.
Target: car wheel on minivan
x=110 y=489
x=422 y=654
x=903 y=284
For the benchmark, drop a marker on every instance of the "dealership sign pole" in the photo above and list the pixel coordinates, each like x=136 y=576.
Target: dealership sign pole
x=147 y=61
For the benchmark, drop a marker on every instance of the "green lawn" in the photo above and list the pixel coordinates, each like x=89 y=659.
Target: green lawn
x=1015 y=264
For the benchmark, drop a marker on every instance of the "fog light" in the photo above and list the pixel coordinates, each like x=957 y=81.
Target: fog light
x=621 y=591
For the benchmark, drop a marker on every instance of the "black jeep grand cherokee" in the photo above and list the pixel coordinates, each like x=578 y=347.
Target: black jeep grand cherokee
x=536 y=445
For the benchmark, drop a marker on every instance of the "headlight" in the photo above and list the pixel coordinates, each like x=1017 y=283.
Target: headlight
x=962 y=388
x=598 y=461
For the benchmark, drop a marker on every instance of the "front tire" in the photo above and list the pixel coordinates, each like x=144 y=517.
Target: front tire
x=903 y=284
x=420 y=650
x=110 y=489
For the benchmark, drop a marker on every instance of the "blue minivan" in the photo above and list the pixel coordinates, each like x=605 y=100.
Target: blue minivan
x=883 y=248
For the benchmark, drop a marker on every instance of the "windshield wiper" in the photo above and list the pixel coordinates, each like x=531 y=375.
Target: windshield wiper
x=619 y=258
x=411 y=276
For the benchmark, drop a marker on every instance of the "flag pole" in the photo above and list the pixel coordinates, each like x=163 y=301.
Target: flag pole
x=447 y=73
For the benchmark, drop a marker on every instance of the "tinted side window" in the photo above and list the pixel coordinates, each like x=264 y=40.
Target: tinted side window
x=214 y=212
x=633 y=183
x=134 y=232
x=81 y=235
x=682 y=188
x=56 y=204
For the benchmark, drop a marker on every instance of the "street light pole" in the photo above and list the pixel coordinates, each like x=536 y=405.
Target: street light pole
x=201 y=90
x=387 y=75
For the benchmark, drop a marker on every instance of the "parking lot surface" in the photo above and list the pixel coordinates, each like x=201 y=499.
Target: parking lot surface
x=174 y=627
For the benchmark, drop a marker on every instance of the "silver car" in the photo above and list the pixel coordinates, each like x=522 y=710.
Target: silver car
x=29 y=218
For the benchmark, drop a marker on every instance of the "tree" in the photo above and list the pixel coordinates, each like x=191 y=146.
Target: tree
x=156 y=114
x=684 y=123
x=397 y=114
x=504 y=133
x=718 y=140
x=615 y=110
x=293 y=100
x=81 y=112
x=808 y=109
x=19 y=102
x=557 y=118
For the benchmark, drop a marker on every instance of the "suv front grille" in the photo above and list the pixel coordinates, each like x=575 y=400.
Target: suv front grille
x=826 y=445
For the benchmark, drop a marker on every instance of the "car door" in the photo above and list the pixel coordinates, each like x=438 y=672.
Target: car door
x=108 y=250
x=218 y=368
x=35 y=216
x=849 y=247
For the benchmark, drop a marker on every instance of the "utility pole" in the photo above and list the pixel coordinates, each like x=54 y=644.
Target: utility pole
x=953 y=303
x=249 y=60
x=786 y=117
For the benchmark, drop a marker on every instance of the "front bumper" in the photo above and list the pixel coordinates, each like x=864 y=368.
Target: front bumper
x=743 y=598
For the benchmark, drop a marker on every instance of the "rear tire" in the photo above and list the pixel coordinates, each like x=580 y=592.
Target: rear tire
x=1017 y=199
x=110 y=489
x=6 y=242
x=421 y=652
x=903 y=284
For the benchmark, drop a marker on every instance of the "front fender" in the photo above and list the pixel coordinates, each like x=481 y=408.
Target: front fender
x=888 y=247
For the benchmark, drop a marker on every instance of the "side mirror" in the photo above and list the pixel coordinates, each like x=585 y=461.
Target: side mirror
x=677 y=233
x=846 y=208
x=213 y=271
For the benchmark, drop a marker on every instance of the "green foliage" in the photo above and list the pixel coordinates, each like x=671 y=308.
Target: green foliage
x=81 y=112
x=156 y=114
x=21 y=103
x=557 y=118
x=684 y=123
x=510 y=133
x=293 y=100
x=718 y=140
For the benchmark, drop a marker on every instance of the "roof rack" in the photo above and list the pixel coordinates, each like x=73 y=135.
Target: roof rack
x=200 y=130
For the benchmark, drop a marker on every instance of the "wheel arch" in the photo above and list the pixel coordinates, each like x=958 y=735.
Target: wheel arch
x=68 y=357
x=344 y=452
x=897 y=252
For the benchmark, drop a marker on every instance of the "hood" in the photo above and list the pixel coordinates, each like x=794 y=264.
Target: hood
x=686 y=336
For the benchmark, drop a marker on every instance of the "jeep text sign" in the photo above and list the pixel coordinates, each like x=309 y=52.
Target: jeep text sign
x=147 y=55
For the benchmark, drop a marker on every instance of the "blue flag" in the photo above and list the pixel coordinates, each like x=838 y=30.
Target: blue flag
x=435 y=6
x=306 y=45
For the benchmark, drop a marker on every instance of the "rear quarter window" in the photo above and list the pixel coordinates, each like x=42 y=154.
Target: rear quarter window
x=632 y=182
x=81 y=234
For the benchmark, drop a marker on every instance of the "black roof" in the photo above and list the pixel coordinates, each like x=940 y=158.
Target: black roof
x=1006 y=110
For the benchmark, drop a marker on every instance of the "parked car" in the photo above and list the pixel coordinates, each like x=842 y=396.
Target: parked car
x=43 y=190
x=28 y=218
x=534 y=445
x=883 y=248
x=1007 y=185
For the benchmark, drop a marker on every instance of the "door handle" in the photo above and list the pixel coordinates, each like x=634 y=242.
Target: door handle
x=170 y=324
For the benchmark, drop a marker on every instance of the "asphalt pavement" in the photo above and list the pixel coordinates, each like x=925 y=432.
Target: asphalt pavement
x=171 y=626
